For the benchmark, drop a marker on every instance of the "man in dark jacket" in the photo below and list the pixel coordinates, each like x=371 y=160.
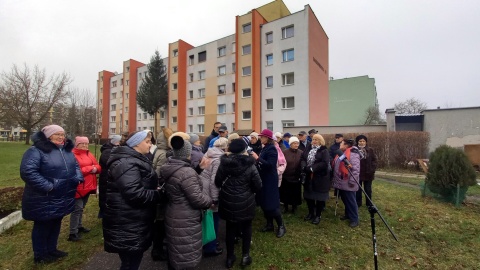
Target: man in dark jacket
x=304 y=143
x=336 y=145
x=214 y=134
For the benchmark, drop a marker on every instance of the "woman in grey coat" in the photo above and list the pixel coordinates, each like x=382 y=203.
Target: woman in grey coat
x=184 y=210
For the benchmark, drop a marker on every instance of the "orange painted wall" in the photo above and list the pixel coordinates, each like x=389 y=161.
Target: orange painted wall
x=257 y=21
x=132 y=99
x=183 y=47
x=318 y=71
x=107 y=75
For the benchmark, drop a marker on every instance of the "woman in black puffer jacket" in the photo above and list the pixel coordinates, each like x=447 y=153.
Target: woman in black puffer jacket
x=130 y=201
x=238 y=180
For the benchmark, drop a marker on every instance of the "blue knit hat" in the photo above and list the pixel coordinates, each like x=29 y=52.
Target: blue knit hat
x=137 y=138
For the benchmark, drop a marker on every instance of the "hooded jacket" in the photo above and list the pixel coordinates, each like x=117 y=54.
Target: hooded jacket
x=51 y=175
x=238 y=180
x=130 y=201
x=208 y=174
x=86 y=161
x=184 y=213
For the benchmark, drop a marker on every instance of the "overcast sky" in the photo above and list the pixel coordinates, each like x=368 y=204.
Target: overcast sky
x=429 y=50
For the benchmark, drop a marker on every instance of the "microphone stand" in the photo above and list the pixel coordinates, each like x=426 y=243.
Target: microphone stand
x=372 y=209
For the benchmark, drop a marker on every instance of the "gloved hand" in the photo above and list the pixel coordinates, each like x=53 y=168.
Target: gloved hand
x=94 y=170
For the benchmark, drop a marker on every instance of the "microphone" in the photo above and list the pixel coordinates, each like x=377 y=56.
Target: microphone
x=343 y=158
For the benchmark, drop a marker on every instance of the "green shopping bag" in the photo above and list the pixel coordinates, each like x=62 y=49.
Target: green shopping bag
x=208 y=229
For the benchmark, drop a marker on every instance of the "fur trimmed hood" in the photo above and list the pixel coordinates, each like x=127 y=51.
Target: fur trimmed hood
x=41 y=142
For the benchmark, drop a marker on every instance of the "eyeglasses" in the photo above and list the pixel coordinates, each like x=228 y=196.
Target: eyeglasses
x=59 y=134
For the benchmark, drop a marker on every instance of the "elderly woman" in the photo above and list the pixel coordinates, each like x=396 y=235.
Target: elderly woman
x=106 y=149
x=185 y=203
x=255 y=144
x=344 y=179
x=368 y=166
x=130 y=201
x=90 y=168
x=291 y=188
x=238 y=180
x=51 y=176
x=316 y=166
x=269 y=197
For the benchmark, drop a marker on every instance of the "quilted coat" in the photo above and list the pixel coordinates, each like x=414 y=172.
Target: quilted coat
x=130 y=201
x=51 y=176
x=184 y=213
x=86 y=161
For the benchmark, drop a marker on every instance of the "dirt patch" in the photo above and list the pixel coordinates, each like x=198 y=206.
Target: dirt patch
x=10 y=200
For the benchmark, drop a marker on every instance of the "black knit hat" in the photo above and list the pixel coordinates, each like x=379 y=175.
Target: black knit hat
x=237 y=146
x=359 y=137
x=180 y=147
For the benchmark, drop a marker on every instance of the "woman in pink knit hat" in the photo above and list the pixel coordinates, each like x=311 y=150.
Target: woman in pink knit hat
x=90 y=168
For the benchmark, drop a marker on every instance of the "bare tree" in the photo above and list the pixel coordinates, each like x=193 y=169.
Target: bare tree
x=411 y=105
x=80 y=119
x=373 y=116
x=28 y=95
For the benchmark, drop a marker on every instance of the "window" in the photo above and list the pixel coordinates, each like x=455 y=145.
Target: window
x=246 y=115
x=162 y=114
x=190 y=111
x=233 y=107
x=174 y=119
x=201 y=92
x=201 y=128
x=126 y=95
x=191 y=59
x=269 y=37
x=126 y=109
x=114 y=95
x=288 y=78
x=126 y=123
x=234 y=47
x=234 y=67
x=269 y=125
x=190 y=128
x=233 y=87
x=222 y=70
x=247 y=49
x=288 y=55
x=201 y=75
x=191 y=77
x=127 y=82
x=246 y=71
x=288 y=102
x=287 y=32
x=174 y=86
x=269 y=104
x=101 y=101
x=221 y=89
x=139 y=116
x=222 y=108
x=201 y=110
x=247 y=92
x=152 y=117
x=288 y=123
x=113 y=130
x=233 y=126
x=144 y=116
x=101 y=89
x=139 y=129
x=190 y=94
x=175 y=53
x=114 y=84
x=222 y=51
x=269 y=59
x=270 y=81
x=121 y=81
x=174 y=103
x=246 y=28
x=202 y=56
x=113 y=107
x=175 y=69
x=113 y=118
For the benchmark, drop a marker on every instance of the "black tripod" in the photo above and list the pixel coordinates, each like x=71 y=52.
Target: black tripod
x=372 y=209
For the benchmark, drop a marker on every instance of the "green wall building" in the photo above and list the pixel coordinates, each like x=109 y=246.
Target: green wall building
x=349 y=100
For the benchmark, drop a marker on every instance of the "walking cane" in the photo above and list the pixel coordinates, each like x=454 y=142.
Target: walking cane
x=336 y=202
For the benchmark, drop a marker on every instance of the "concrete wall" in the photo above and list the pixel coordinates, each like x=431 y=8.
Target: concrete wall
x=338 y=129
x=455 y=127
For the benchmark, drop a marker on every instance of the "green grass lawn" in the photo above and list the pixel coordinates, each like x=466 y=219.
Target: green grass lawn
x=432 y=235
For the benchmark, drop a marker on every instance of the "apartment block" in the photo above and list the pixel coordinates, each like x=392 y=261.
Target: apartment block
x=271 y=73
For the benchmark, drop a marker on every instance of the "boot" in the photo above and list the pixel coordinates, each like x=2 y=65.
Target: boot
x=246 y=260
x=58 y=253
x=281 y=231
x=316 y=220
x=83 y=230
x=74 y=237
x=267 y=228
x=308 y=217
x=230 y=261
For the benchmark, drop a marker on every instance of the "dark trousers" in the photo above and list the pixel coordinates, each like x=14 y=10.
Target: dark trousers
x=211 y=246
x=130 y=260
x=315 y=208
x=158 y=235
x=367 y=185
x=273 y=214
x=45 y=236
x=231 y=230
x=350 y=202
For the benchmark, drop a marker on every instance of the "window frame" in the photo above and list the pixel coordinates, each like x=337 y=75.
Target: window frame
x=250 y=71
x=243 y=115
x=285 y=31
x=269 y=101
x=285 y=79
x=266 y=37
x=244 y=90
x=285 y=103
x=222 y=51
x=247 y=28
x=224 y=106
x=269 y=59
x=245 y=47
x=285 y=54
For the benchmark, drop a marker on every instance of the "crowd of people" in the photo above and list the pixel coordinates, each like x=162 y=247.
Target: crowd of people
x=155 y=191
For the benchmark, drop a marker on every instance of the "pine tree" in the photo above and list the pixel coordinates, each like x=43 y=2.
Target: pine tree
x=153 y=93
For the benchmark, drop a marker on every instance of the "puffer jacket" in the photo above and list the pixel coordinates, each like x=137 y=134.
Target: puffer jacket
x=208 y=174
x=102 y=180
x=51 y=175
x=130 y=201
x=184 y=213
x=86 y=161
x=347 y=182
x=238 y=180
